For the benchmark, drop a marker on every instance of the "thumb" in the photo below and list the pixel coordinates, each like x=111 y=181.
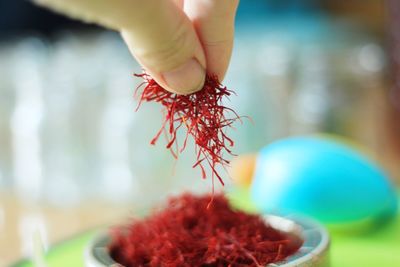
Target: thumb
x=167 y=46
x=159 y=35
x=165 y=43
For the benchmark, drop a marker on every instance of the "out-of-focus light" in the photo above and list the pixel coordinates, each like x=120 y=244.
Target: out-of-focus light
x=313 y=59
x=25 y=123
x=274 y=60
x=63 y=190
x=371 y=58
x=309 y=107
x=118 y=183
x=2 y=218
x=30 y=225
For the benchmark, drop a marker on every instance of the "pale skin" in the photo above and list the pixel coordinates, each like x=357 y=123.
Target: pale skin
x=176 y=41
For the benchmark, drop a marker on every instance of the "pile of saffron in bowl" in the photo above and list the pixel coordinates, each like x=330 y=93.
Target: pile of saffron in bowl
x=189 y=232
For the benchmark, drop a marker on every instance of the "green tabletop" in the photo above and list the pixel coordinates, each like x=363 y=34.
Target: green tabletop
x=66 y=254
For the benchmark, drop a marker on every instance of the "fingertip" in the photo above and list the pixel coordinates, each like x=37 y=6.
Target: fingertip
x=185 y=79
x=214 y=23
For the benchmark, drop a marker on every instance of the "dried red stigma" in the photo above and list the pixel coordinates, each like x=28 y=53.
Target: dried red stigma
x=187 y=233
x=203 y=115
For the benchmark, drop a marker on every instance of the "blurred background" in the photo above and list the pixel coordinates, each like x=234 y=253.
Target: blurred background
x=74 y=154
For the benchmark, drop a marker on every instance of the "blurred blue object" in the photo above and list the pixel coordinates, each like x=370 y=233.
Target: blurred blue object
x=321 y=178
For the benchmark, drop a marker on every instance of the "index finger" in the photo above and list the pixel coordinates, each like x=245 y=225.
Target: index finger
x=214 y=23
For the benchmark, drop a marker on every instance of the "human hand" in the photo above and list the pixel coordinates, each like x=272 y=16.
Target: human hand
x=176 y=41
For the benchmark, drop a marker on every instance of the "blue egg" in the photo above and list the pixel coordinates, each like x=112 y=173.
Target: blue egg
x=321 y=178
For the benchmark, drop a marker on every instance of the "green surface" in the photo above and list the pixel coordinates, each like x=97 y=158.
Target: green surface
x=377 y=247
x=65 y=254
x=373 y=247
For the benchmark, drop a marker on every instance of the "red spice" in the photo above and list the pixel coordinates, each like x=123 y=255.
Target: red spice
x=203 y=115
x=187 y=233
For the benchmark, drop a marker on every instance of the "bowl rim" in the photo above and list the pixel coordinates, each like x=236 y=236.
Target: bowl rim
x=96 y=254
x=307 y=224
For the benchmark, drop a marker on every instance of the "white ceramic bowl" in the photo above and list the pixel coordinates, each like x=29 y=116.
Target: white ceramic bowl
x=313 y=252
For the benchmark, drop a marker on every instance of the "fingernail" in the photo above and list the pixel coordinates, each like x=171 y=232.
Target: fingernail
x=187 y=78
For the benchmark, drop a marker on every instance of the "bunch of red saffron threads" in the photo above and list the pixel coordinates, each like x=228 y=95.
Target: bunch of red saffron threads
x=203 y=115
x=187 y=233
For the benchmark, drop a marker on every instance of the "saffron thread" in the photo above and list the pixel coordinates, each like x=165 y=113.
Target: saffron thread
x=203 y=116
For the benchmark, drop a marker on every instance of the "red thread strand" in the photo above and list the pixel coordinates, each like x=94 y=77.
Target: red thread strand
x=202 y=114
